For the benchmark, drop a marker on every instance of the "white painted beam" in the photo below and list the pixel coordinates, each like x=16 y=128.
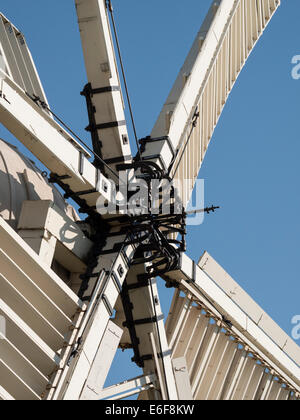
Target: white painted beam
x=134 y=385
x=203 y=357
x=19 y=364
x=196 y=344
x=106 y=292
x=50 y=143
x=28 y=342
x=41 y=223
x=212 y=366
x=253 y=382
x=31 y=292
x=102 y=363
x=182 y=379
x=249 y=306
x=29 y=314
x=102 y=73
x=19 y=60
x=217 y=385
x=16 y=386
x=207 y=77
x=44 y=278
x=4 y=395
x=40 y=316
x=234 y=374
x=243 y=325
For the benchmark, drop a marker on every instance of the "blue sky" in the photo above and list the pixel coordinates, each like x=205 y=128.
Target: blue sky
x=252 y=167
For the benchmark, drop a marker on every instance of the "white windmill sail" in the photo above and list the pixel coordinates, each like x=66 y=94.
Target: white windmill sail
x=71 y=168
x=192 y=110
x=218 y=54
x=103 y=91
x=59 y=151
x=232 y=349
x=16 y=60
x=41 y=316
x=58 y=347
x=24 y=111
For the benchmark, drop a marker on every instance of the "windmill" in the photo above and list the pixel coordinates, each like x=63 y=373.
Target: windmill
x=74 y=291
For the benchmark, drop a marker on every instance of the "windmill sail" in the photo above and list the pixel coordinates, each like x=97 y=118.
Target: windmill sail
x=61 y=284
x=32 y=124
x=192 y=110
x=103 y=91
x=232 y=348
x=16 y=60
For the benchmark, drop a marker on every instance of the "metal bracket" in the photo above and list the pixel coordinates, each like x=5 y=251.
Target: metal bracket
x=116 y=282
x=149 y=139
x=88 y=90
x=97 y=144
x=139 y=285
x=119 y=159
x=2 y=95
x=106 y=302
x=79 y=193
x=144 y=321
x=105 y=126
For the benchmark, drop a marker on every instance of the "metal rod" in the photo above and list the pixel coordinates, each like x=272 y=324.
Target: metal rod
x=111 y=10
x=206 y=210
x=37 y=99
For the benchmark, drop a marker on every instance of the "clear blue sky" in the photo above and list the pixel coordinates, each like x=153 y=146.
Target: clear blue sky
x=252 y=166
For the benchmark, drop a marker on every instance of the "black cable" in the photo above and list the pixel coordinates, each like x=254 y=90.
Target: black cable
x=111 y=10
x=194 y=123
x=186 y=144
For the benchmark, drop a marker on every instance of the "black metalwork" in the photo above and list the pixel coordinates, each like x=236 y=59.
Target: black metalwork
x=119 y=159
x=98 y=162
x=144 y=321
x=99 y=241
x=150 y=139
x=128 y=308
x=105 y=126
x=97 y=144
x=106 y=89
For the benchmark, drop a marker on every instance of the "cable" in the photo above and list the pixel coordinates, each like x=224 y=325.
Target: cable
x=181 y=157
x=111 y=10
x=37 y=100
x=194 y=123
